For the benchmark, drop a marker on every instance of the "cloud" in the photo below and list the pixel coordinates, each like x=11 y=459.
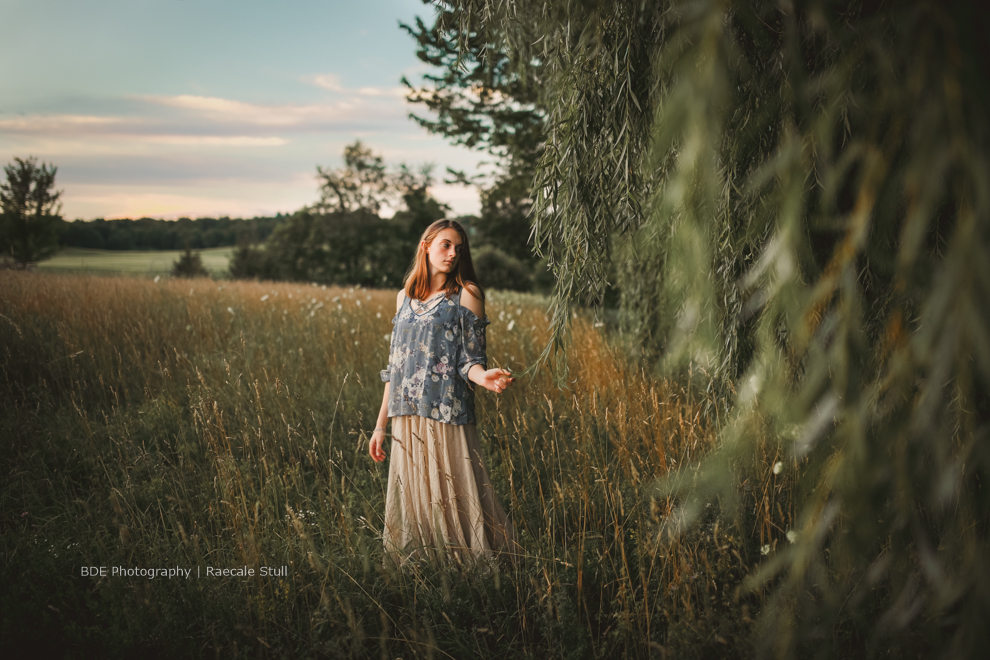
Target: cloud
x=256 y=114
x=217 y=140
x=60 y=128
x=331 y=83
x=161 y=155
x=328 y=81
x=58 y=123
x=132 y=202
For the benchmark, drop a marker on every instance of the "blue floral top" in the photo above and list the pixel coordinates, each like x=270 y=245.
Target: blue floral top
x=434 y=345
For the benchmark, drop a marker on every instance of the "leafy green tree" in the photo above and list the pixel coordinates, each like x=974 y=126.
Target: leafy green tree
x=342 y=239
x=421 y=208
x=796 y=200
x=189 y=264
x=485 y=99
x=363 y=184
x=30 y=211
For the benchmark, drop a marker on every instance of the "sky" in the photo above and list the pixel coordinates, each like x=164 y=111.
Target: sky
x=172 y=108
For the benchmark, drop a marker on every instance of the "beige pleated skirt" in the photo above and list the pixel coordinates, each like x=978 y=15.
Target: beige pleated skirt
x=440 y=502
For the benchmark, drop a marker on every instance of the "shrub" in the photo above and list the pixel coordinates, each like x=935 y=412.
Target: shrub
x=497 y=270
x=189 y=265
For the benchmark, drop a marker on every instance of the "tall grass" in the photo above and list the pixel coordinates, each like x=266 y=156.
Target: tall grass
x=197 y=424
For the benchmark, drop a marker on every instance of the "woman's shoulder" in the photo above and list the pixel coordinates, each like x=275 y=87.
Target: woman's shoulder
x=398 y=300
x=473 y=299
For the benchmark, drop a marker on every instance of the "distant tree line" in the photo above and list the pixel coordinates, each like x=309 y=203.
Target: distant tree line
x=344 y=238
x=152 y=234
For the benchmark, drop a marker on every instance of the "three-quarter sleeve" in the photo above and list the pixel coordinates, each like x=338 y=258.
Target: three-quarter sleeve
x=473 y=343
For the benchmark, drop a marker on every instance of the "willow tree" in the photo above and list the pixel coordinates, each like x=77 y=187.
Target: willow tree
x=795 y=197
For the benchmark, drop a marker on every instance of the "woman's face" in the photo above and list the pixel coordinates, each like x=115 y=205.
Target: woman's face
x=444 y=251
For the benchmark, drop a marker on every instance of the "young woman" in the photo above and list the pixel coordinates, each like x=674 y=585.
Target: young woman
x=439 y=499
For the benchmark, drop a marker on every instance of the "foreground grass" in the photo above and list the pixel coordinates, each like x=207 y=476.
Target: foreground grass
x=195 y=424
x=131 y=262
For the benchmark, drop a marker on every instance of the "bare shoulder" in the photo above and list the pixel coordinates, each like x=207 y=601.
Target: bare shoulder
x=474 y=299
x=398 y=300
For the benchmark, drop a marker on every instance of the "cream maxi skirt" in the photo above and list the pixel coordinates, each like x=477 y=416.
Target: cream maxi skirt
x=440 y=499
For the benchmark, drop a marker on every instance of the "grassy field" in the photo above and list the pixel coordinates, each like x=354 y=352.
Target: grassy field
x=131 y=262
x=200 y=424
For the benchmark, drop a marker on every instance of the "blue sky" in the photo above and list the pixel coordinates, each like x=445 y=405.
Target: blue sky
x=171 y=108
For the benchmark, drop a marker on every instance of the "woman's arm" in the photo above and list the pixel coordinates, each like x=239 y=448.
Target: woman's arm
x=378 y=435
x=496 y=380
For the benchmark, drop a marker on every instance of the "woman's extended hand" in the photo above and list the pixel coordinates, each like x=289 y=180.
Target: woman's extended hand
x=375 y=446
x=496 y=380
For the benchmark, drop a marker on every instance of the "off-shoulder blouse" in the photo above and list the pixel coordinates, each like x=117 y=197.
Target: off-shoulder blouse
x=433 y=348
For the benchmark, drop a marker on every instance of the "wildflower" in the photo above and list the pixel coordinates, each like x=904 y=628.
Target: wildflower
x=157 y=278
x=777 y=467
x=512 y=323
x=765 y=550
x=792 y=536
x=264 y=297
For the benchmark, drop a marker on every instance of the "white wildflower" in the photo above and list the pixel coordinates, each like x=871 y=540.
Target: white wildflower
x=777 y=467
x=765 y=550
x=158 y=278
x=792 y=536
x=264 y=297
x=512 y=324
x=230 y=309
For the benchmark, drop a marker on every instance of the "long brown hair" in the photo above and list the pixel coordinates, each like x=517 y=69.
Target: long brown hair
x=417 y=283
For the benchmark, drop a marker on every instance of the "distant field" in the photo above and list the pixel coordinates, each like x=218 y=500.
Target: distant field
x=131 y=262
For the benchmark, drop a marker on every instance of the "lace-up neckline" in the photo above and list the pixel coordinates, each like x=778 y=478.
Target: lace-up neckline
x=420 y=307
